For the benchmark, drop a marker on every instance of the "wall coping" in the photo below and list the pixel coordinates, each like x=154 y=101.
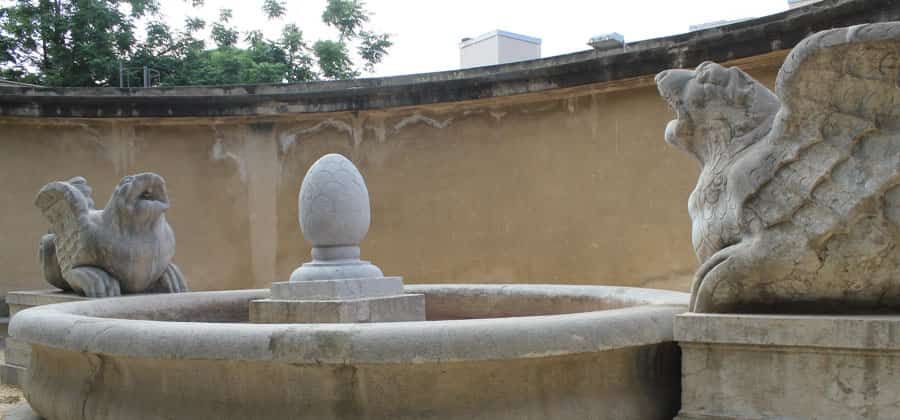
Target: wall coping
x=736 y=41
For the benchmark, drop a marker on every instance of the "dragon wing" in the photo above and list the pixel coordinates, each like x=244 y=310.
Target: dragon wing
x=833 y=153
x=64 y=205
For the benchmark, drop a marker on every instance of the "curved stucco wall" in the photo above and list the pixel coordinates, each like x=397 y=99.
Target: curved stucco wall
x=573 y=189
x=552 y=171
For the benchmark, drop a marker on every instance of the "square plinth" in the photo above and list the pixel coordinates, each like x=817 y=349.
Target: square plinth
x=406 y=307
x=789 y=367
x=344 y=289
x=24 y=299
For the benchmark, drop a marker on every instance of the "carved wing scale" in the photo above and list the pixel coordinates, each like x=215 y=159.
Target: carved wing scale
x=63 y=205
x=825 y=170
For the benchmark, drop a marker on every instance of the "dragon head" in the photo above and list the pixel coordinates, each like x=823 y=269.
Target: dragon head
x=718 y=110
x=139 y=200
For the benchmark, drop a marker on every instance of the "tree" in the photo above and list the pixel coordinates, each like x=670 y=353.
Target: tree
x=68 y=42
x=347 y=16
x=84 y=42
x=224 y=36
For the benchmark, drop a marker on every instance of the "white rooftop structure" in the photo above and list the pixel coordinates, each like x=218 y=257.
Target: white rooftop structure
x=497 y=47
x=793 y=4
x=608 y=41
x=715 y=24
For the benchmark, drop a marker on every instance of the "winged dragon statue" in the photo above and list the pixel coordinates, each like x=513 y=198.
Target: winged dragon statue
x=797 y=206
x=127 y=247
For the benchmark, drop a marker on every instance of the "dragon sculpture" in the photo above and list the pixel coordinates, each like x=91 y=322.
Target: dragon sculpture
x=797 y=206
x=127 y=247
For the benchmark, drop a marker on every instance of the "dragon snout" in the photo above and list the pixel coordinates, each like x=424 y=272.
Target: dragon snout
x=148 y=178
x=661 y=75
x=672 y=82
x=150 y=187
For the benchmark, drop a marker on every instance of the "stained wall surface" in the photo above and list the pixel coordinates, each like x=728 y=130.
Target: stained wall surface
x=574 y=186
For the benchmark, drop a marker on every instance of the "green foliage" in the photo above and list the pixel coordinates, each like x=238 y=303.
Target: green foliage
x=274 y=8
x=84 y=43
x=224 y=36
x=334 y=60
x=348 y=16
x=193 y=24
x=7 y=43
x=300 y=64
x=68 y=42
x=373 y=47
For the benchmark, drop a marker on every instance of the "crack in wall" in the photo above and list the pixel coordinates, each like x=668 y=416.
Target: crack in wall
x=90 y=381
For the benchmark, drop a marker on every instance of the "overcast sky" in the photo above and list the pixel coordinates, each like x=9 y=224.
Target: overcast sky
x=426 y=33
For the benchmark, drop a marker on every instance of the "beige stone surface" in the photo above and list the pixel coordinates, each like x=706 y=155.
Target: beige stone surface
x=586 y=207
x=796 y=207
x=792 y=367
x=17 y=354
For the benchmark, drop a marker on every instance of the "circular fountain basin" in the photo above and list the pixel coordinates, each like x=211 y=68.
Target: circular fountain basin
x=486 y=352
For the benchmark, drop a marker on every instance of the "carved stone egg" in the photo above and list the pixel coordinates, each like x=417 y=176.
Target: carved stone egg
x=334 y=203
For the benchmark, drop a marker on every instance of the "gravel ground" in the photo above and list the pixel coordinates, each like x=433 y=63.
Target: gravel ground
x=9 y=396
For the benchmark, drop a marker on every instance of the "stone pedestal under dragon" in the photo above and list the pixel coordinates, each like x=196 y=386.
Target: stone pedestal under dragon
x=127 y=247
x=797 y=208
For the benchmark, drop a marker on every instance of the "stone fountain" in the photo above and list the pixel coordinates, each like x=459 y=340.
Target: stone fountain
x=793 y=311
x=339 y=340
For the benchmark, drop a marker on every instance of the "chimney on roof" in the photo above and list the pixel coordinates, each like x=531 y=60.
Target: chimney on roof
x=606 y=42
x=793 y=4
x=497 y=47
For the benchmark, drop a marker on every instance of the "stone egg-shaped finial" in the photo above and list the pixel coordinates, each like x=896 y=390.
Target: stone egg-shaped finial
x=334 y=203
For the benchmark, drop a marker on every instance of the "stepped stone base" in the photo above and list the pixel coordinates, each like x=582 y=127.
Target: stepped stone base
x=17 y=355
x=376 y=299
x=779 y=366
x=408 y=307
x=337 y=289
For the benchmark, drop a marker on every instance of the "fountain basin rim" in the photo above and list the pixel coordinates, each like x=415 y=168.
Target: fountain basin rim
x=81 y=326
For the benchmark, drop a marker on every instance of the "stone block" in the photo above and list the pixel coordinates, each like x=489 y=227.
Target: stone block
x=11 y=374
x=24 y=299
x=778 y=366
x=406 y=307
x=4 y=328
x=17 y=352
x=338 y=289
